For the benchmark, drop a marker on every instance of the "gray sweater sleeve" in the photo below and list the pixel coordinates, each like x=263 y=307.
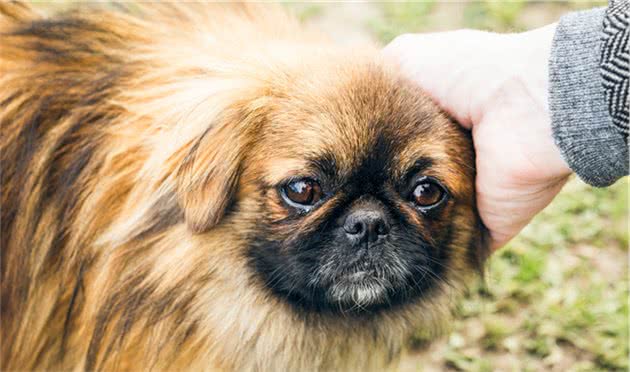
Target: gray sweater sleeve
x=582 y=123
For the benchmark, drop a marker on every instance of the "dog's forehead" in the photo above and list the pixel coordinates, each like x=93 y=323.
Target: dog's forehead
x=342 y=150
x=328 y=139
x=368 y=119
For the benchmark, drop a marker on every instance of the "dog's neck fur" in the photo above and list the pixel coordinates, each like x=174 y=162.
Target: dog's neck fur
x=258 y=332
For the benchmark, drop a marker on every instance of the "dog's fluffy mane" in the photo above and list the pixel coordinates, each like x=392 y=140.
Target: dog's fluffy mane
x=105 y=119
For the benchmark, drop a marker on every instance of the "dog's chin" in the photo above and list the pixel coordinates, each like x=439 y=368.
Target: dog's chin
x=359 y=291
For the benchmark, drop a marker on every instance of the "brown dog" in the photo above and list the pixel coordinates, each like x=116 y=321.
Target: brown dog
x=211 y=187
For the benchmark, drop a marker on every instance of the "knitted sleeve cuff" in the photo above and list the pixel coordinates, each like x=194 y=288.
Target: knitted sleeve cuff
x=581 y=124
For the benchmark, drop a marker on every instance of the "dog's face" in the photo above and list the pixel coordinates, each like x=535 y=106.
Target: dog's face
x=365 y=196
x=356 y=195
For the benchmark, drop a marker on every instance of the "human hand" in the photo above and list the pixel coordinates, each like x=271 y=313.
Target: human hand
x=497 y=86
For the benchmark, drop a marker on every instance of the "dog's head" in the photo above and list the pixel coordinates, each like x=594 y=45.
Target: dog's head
x=351 y=190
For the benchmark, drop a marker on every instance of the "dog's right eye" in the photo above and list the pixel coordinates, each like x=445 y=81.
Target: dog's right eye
x=303 y=192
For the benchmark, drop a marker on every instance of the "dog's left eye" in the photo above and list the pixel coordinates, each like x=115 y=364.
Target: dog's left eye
x=428 y=193
x=304 y=192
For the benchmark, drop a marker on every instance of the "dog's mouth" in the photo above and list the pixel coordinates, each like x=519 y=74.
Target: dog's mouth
x=361 y=287
x=350 y=281
x=361 y=294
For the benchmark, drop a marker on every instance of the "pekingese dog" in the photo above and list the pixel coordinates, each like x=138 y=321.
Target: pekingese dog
x=214 y=187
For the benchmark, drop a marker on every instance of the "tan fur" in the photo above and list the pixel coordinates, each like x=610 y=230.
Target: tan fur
x=126 y=138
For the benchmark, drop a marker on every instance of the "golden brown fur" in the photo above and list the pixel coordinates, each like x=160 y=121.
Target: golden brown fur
x=133 y=149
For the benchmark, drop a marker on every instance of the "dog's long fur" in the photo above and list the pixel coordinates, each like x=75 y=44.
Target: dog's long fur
x=124 y=136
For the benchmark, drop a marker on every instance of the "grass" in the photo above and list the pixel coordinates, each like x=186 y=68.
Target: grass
x=304 y=10
x=570 y=267
x=400 y=17
x=556 y=295
x=493 y=15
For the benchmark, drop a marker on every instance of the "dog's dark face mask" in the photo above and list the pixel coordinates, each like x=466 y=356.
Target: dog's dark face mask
x=364 y=200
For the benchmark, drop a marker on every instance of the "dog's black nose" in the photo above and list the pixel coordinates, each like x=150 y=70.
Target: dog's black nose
x=366 y=225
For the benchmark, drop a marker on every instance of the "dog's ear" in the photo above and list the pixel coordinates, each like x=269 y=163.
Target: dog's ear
x=208 y=177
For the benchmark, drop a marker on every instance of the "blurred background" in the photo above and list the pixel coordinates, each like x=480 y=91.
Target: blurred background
x=554 y=299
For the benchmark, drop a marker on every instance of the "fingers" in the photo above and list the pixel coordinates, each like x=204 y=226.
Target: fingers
x=454 y=67
x=506 y=211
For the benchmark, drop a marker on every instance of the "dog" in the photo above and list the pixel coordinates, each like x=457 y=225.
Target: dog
x=216 y=187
